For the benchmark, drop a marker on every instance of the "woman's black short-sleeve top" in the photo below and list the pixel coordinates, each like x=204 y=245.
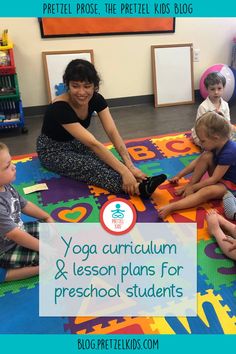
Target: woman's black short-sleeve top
x=60 y=112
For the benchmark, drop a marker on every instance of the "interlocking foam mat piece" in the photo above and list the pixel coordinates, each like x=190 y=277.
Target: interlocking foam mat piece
x=71 y=201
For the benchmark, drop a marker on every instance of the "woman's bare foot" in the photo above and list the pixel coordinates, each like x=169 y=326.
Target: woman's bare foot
x=164 y=211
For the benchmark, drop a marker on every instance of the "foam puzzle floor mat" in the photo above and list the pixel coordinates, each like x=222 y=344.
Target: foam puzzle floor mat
x=72 y=201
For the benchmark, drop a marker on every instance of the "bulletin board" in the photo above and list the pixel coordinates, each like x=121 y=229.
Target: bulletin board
x=172 y=71
x=67 y=27
x=55 y=64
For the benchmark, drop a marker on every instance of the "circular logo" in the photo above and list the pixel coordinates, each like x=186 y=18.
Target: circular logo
x=118 y=216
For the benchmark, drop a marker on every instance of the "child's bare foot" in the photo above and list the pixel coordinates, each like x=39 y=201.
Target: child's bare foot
x=212 y=221
x=214 y=228
x=227 y=226
x=164 y=211
x=212 y=211
x=180 y=191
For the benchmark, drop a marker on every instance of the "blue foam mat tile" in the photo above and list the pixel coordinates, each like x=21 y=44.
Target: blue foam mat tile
x=168 y=166
x=32 y=171
x=20 y=315
x=197 y=326
x=228 y=294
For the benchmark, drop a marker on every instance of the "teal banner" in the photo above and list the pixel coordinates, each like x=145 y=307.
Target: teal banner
x=94 y=344
x=118 y=8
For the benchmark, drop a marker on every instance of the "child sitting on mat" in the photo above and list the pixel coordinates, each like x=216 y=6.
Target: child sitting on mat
x=218 y=160
x=224 y=232
x=19 y=244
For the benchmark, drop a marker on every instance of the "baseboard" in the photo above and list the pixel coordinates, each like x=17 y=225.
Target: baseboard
x=112 y=102
x=34 y=111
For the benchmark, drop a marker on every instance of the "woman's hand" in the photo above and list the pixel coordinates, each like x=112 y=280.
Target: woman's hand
x=138 y=174
x=130 y=184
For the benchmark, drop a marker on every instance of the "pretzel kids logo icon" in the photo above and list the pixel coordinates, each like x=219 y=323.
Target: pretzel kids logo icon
x=118 y=216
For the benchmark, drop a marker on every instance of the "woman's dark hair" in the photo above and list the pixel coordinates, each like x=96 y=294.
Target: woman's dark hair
x=81 y=70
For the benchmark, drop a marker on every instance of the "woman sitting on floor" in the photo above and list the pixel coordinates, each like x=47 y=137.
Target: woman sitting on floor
x=66 y=147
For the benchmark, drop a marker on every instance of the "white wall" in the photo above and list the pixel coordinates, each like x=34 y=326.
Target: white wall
x=124 y=62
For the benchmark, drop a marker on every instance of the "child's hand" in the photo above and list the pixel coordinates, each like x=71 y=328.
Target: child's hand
x=49 y=219
x=174 y=179
x=232 y=241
